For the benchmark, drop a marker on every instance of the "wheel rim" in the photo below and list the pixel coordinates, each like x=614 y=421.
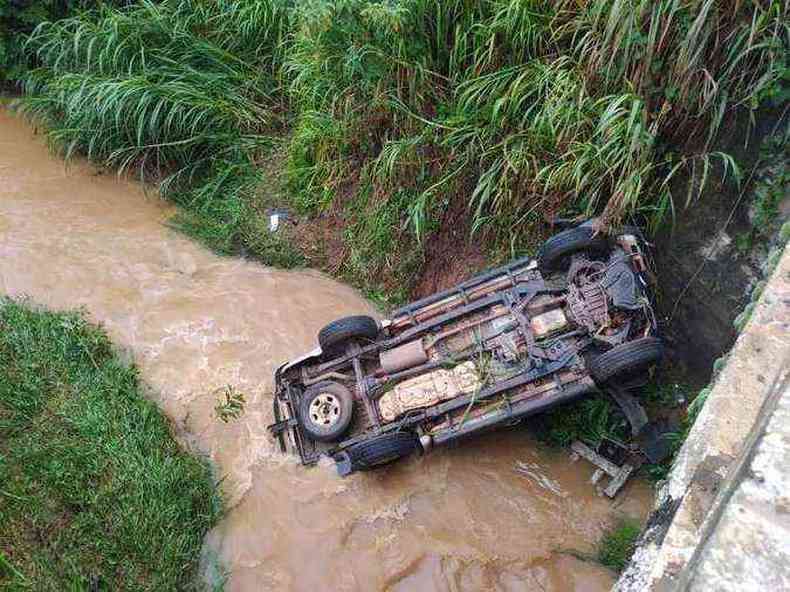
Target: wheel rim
x=325 y=410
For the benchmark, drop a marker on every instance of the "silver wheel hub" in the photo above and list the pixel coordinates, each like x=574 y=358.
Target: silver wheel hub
x=325 y=410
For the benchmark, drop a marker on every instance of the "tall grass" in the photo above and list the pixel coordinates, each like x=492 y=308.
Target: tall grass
x=532 y=106
x=183 y=92
x=514 y=109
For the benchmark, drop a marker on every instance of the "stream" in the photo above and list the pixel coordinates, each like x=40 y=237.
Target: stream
x=498 y=512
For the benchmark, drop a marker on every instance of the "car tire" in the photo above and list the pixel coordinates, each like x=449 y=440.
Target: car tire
x=382 y=450
x=558 y=248
x=326 y=410
x=626 y=360
x=337 y=334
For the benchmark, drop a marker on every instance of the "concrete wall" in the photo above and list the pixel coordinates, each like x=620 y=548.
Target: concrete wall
x=722 y=520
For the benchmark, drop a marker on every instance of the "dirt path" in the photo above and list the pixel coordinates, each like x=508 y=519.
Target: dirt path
x=489 y=515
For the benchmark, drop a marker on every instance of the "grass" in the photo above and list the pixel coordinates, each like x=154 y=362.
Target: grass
x=664 y=394
x=595 y=418
x=394 y=113
x=381 y=250
x=590 y=420
x=618 y=544
x=94 y=491
x=517 y=108
x=771 y=187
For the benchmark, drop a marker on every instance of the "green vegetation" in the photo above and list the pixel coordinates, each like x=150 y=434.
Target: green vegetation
x=516 y=106
x=774 y=184
x=19 y=18
x=664 y=394
x=397 y=114
x=590 y=420
x=618 y=545
x=94 y=491
x=16 y=19
x=771 y=187
x=595 y=418
x=230 y=404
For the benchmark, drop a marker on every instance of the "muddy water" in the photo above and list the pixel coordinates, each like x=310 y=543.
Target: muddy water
x=494 y=514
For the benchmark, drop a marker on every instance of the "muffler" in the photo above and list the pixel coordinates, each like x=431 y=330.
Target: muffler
x=404 y=356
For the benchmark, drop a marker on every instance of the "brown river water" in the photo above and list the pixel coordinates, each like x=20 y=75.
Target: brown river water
x=496 y=513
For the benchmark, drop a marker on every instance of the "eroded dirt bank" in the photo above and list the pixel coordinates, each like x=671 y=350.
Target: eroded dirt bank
x=492 y=514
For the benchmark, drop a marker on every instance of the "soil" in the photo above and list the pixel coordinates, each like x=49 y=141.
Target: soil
x=704 y=279
x=451 y=256
x=320 y=238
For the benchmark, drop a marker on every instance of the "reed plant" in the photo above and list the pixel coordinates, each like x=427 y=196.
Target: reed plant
x=519 y=107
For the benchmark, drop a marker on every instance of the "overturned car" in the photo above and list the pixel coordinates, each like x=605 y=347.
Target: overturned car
x=506 y=344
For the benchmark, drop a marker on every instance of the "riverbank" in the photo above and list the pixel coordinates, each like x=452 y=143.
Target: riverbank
x=197 y=324
x=95 y=493
x=408 y=153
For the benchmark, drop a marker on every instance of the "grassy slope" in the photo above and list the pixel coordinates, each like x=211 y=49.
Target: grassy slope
x=185 y=93
x=94 y=490
x=513 y=111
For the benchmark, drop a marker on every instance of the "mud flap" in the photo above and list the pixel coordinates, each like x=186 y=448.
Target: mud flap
x=343 y=464
x=653 y=440
x=631 y=408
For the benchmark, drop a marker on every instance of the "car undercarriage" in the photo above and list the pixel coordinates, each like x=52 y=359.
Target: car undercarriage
x=506 y=344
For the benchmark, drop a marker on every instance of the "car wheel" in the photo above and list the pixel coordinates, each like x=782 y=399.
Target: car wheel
x=325 y=411
x=555 y=251
x=626 y=361
x=382 y=450
x=337 y=334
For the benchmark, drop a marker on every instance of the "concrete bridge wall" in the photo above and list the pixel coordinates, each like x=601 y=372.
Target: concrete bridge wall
x=722 y=520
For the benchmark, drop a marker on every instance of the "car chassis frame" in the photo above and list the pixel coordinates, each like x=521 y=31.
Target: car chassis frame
x=512 y=287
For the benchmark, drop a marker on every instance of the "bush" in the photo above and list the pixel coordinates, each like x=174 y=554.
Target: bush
x=18 y=18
